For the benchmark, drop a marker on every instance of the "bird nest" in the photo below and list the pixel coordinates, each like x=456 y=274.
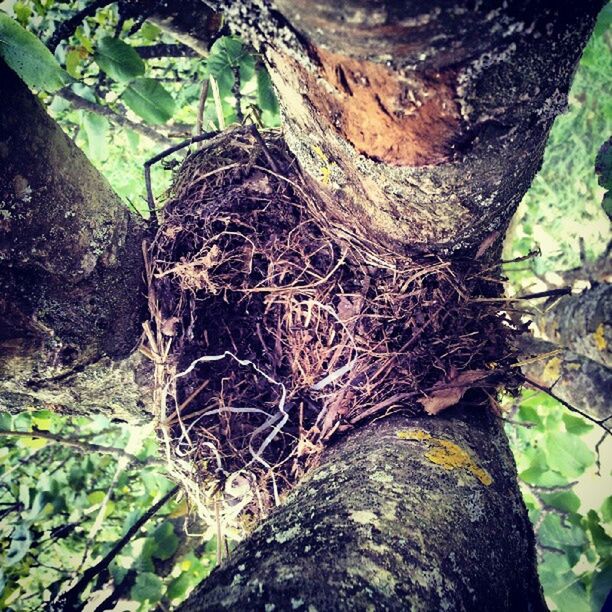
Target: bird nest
x=273 y=332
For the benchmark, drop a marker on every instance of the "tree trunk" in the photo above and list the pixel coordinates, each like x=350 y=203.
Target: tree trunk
x=421 y=123
x=70 y=270
x=404 y=514
x=420 y=126
x=582 y=324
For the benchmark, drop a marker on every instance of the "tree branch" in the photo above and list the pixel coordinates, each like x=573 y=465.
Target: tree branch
x=584 y=415
x=81 y=103
x=78 y=444
x=69 y=600
x=68 y=28
x=165 y=50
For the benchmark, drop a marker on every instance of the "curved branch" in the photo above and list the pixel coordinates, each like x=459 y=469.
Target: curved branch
x=165 y=50
x=67 y=28
x=70 y=268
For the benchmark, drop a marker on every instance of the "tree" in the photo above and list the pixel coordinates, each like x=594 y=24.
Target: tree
x=417 y=129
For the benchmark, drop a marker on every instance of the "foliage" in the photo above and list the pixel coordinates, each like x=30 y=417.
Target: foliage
x=564 y=204
x=102 y=64
x=555 y=463
x=60 y=510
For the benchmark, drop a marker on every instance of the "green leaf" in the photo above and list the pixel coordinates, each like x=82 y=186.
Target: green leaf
x=573 y=598
x=600 y=587
x=606 y=510
x=96 y=128
x=22 y=13
x=149 y=31
x=225 y=54
x=120 y=61
x=29 y=58
x=601 y=540
x=21 y=540
x=567 y=501
x=73 y=61
x=266 y=98
x=568 y=454
x=178 y=587
x=166 y=541
x=96 y=497
x=43 y=420
x=553 y=533
x=539 y=473
x=147 y=98
x=6 y=420
x=576 y=425
x=148 y=587
x=529 y=414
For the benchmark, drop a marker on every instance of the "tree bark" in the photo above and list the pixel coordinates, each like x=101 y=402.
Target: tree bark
x=581 y=382
x=404 y=514
x=70 y=270
x=420 y=124
x=423 y=123
x=582 y=323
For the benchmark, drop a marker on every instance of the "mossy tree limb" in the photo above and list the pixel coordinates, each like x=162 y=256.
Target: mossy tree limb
x=577 y=380
x=404 y=514
x=582 y=323
x=70 y=264
x=423 y=123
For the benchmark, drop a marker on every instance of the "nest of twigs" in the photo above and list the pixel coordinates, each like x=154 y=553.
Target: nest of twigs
x=274 y=333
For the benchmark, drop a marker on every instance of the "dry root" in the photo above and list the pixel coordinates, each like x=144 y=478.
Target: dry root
x=272 y=331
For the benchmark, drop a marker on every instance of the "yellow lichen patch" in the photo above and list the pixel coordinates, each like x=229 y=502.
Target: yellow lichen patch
x=600 y=338
x=450 y=456
x=552 y=370
x=326 y=169
x=447 y=454
x=413 y=434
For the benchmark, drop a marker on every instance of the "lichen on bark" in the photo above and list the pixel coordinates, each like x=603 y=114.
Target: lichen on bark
x=390 y=529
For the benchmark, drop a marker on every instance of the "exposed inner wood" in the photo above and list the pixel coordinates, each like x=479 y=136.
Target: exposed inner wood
x=399 y=120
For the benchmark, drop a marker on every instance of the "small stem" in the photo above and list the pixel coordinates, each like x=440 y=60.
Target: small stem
x=567 y=405
x=83 y=446
x=69 y=600
x=201 y=107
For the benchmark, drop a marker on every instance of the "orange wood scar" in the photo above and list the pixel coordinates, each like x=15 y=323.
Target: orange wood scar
x=386 y=116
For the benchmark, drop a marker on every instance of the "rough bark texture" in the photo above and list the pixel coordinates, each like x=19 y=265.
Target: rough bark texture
x=422 y=122
x=70 y=266
x=404 y=514
x=189 y=21
x=581 y=382
x=582 y=323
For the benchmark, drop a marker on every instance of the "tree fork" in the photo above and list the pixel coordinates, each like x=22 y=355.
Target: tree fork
x=421 y=123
